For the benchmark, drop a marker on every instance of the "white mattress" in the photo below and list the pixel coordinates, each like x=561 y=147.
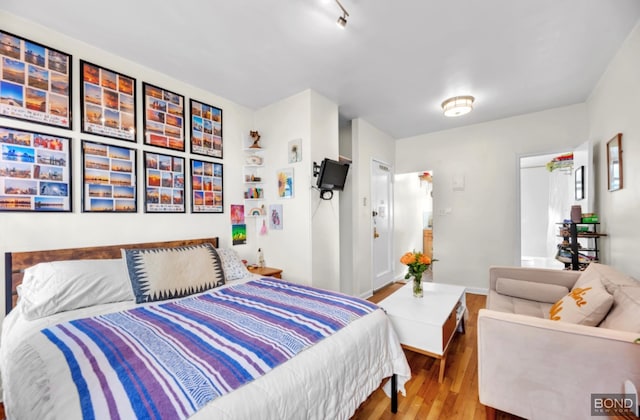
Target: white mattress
x=328 y=380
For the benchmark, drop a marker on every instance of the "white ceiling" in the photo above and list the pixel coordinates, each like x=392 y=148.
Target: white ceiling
x=393 y=65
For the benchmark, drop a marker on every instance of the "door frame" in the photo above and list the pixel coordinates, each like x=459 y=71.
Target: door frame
x=391 y=219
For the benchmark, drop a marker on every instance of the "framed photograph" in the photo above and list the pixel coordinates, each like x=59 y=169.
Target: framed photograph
x=206 y=187
x=206 y=129
x=107 y=102
x=163 y=183
x=614 y=163
x=35 y=171
x=163 y=118
x=35 y=82
x=108 y=178
x=579 y=183
x=285 y=183
x=294 y=153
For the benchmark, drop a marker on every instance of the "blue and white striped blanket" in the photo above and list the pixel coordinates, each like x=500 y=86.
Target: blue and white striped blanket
x=168 y=360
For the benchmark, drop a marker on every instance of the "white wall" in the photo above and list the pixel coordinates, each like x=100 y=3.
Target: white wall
x=477 y=227
x=534 y=204
x=346 y=214
x=34 y=231
x=613 y=108
x=279 y=123
x=308 y=246
x=368 y=143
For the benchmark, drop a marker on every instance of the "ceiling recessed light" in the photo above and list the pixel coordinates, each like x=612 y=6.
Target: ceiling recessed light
x=458 y=105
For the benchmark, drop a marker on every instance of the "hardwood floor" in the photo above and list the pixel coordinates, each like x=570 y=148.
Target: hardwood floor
x=455 y=398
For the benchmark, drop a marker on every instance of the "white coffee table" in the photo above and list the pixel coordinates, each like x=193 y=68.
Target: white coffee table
x=426 y=325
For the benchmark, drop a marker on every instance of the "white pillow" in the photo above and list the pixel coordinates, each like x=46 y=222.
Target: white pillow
x=168 y=273
x=539 y=292
x=49 y=288
x=234 y=268
x=585 y=305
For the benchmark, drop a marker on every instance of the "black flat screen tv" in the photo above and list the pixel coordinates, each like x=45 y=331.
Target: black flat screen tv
x=332 y=175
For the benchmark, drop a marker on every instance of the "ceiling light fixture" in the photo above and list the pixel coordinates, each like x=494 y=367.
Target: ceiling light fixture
x=342 y=20
x=458 y=105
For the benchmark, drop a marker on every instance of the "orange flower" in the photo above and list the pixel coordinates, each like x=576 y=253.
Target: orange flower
x=424 y=259
x=408 y=258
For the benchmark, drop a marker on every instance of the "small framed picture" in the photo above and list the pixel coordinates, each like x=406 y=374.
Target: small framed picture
x=107 y=102
x=206 y=187
x=163 y=118
x=206 y=129
x=614 y=163
x=35 y=171
x=108 y=178
x=163 y=183
x=579 y=183
x=285 y=183
x=35 y=83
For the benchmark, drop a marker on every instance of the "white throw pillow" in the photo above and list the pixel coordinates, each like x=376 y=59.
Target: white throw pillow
x=167 y=273
x=49 y=288
x=234 y=268
x=585 y=305
x=539 y=292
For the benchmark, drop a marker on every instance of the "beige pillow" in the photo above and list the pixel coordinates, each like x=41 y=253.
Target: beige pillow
x=585 y=305
x=539 y=292
x=625 y=315
x=610 y=278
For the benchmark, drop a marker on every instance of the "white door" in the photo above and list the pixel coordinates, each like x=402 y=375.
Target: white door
x=381 y=223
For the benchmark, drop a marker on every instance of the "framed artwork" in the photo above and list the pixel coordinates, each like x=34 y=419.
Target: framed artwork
x=285 y=183
x=163 y=183
x=107 y=102
x=35 y=82
x=35 y=171
x=614 y=163
x=295 y=151
x=163 y=118
x=108 y=178
x=206 y=129
x=579 y=183
x=206 y=187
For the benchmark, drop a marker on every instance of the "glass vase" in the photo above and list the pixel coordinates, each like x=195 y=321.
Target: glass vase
x=417 y=286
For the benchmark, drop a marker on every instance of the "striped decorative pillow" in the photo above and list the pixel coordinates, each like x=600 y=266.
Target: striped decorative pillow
x=167 y=273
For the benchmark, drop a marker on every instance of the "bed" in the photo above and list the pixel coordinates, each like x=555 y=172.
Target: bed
x=58 y=360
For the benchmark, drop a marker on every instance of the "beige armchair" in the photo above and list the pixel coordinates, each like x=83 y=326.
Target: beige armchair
x=536 y=368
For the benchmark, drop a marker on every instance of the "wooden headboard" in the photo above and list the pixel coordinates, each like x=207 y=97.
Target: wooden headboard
x=16 y=262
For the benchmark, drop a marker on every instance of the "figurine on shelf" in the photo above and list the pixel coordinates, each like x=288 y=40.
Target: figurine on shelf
x=255 y=136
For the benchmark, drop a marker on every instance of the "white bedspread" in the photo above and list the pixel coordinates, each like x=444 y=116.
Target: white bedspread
x=328 y=380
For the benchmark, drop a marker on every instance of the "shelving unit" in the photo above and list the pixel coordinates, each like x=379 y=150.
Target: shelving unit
x=253 y=178
x=579 y=246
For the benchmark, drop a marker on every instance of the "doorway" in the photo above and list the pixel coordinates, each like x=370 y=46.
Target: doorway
x=547 y=192
x=382 y=223
x=413 y=223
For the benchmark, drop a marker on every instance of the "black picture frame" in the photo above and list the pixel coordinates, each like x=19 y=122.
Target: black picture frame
x=163 y=118
x=207 y=192
x=579 y=183
x=164 y=185
x=614 y=163
x=206 y=129
x=107 y=102
x=35 y=171
x=35 y=82
x=109 y=178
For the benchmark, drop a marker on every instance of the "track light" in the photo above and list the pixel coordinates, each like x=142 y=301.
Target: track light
x=342 y=20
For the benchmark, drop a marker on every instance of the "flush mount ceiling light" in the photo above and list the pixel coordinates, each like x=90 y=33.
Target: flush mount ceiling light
x=342 y=20
x=458 y=105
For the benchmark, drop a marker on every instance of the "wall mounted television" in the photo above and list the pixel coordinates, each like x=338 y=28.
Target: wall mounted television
x=332 y=175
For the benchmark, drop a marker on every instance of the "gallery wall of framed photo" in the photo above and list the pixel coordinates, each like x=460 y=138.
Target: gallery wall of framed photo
x=116 y=155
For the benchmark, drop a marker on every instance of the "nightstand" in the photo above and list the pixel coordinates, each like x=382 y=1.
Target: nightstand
x=266 y=271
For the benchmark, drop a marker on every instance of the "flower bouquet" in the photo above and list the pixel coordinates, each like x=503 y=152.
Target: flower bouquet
x=417 y=263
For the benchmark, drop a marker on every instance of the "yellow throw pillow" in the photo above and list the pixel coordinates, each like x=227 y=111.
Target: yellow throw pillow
x=585 y=305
